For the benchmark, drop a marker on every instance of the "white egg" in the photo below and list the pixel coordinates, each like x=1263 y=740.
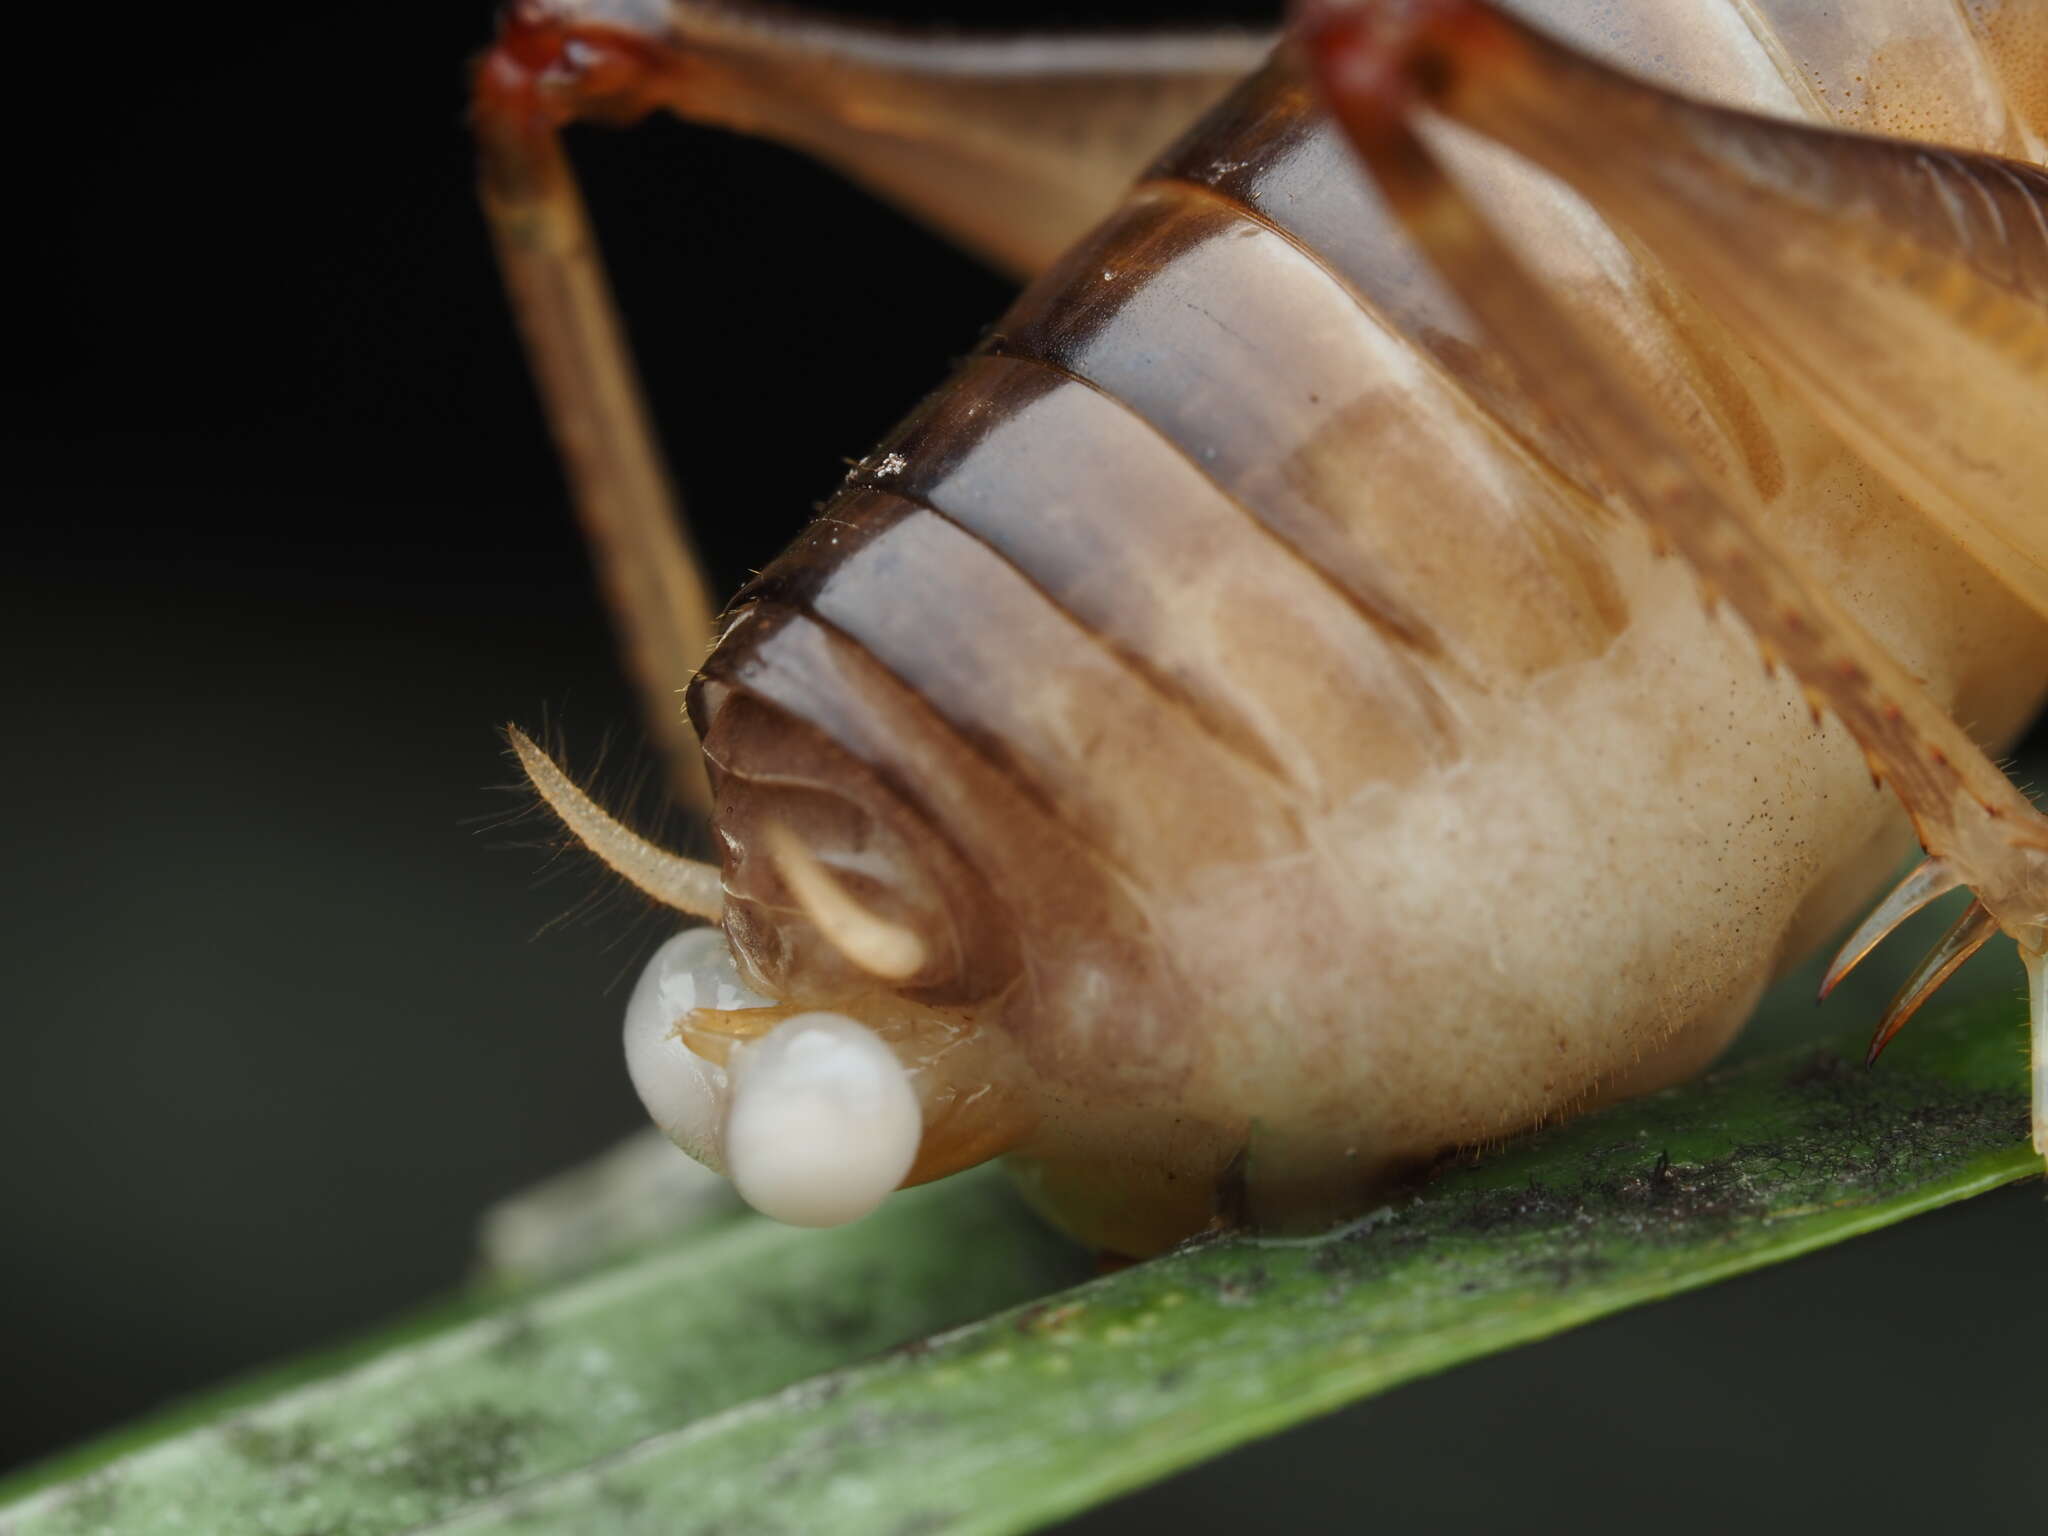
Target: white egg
x=823 y=1121
x=684 y=1094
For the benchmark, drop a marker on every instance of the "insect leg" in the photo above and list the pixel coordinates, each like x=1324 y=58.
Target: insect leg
x=653 y=581
x=1472 y=63
x=1012 y=145
x=1902 y=288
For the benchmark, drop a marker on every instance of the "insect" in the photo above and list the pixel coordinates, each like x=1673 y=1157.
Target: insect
x=1245 y=733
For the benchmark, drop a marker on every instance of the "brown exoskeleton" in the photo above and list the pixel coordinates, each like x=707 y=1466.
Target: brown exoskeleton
x=1239 y=737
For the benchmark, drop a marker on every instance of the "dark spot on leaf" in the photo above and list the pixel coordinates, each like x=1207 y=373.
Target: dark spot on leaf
x=846 y=1319
x=465 y=1453
x=1242 y=1287
x=621 y=1499
x=1822 y=1069
x=1861 y=1136
x=91 y=1507
x=1047 y=1318
x=518 y=1338
x=274 y=1446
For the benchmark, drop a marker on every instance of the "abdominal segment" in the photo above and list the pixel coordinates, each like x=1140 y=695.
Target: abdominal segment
x=1252 y=700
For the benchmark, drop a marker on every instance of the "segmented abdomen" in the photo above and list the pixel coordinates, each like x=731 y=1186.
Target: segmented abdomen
x=1231 y=522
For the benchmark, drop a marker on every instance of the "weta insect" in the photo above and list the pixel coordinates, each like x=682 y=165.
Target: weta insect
x=1241 y=736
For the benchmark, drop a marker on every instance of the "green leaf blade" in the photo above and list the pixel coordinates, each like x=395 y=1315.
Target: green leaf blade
x=1057 y=1406
x=546 y=1382
x=1029 y=1415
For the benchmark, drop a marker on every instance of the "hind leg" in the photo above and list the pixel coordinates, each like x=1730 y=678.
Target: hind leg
x=1011 y=145
x=1778 y=224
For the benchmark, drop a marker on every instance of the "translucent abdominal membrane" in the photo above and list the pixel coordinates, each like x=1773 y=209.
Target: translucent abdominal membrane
x=815 y=1120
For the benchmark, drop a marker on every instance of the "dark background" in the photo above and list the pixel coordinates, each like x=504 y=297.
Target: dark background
x=289 y=998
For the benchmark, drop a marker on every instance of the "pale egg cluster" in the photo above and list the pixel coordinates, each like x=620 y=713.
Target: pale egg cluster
x=815 y=1121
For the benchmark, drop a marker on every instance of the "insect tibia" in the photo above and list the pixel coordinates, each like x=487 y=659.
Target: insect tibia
x=1780 y=227
x=542 y=72
x=1902 y=288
